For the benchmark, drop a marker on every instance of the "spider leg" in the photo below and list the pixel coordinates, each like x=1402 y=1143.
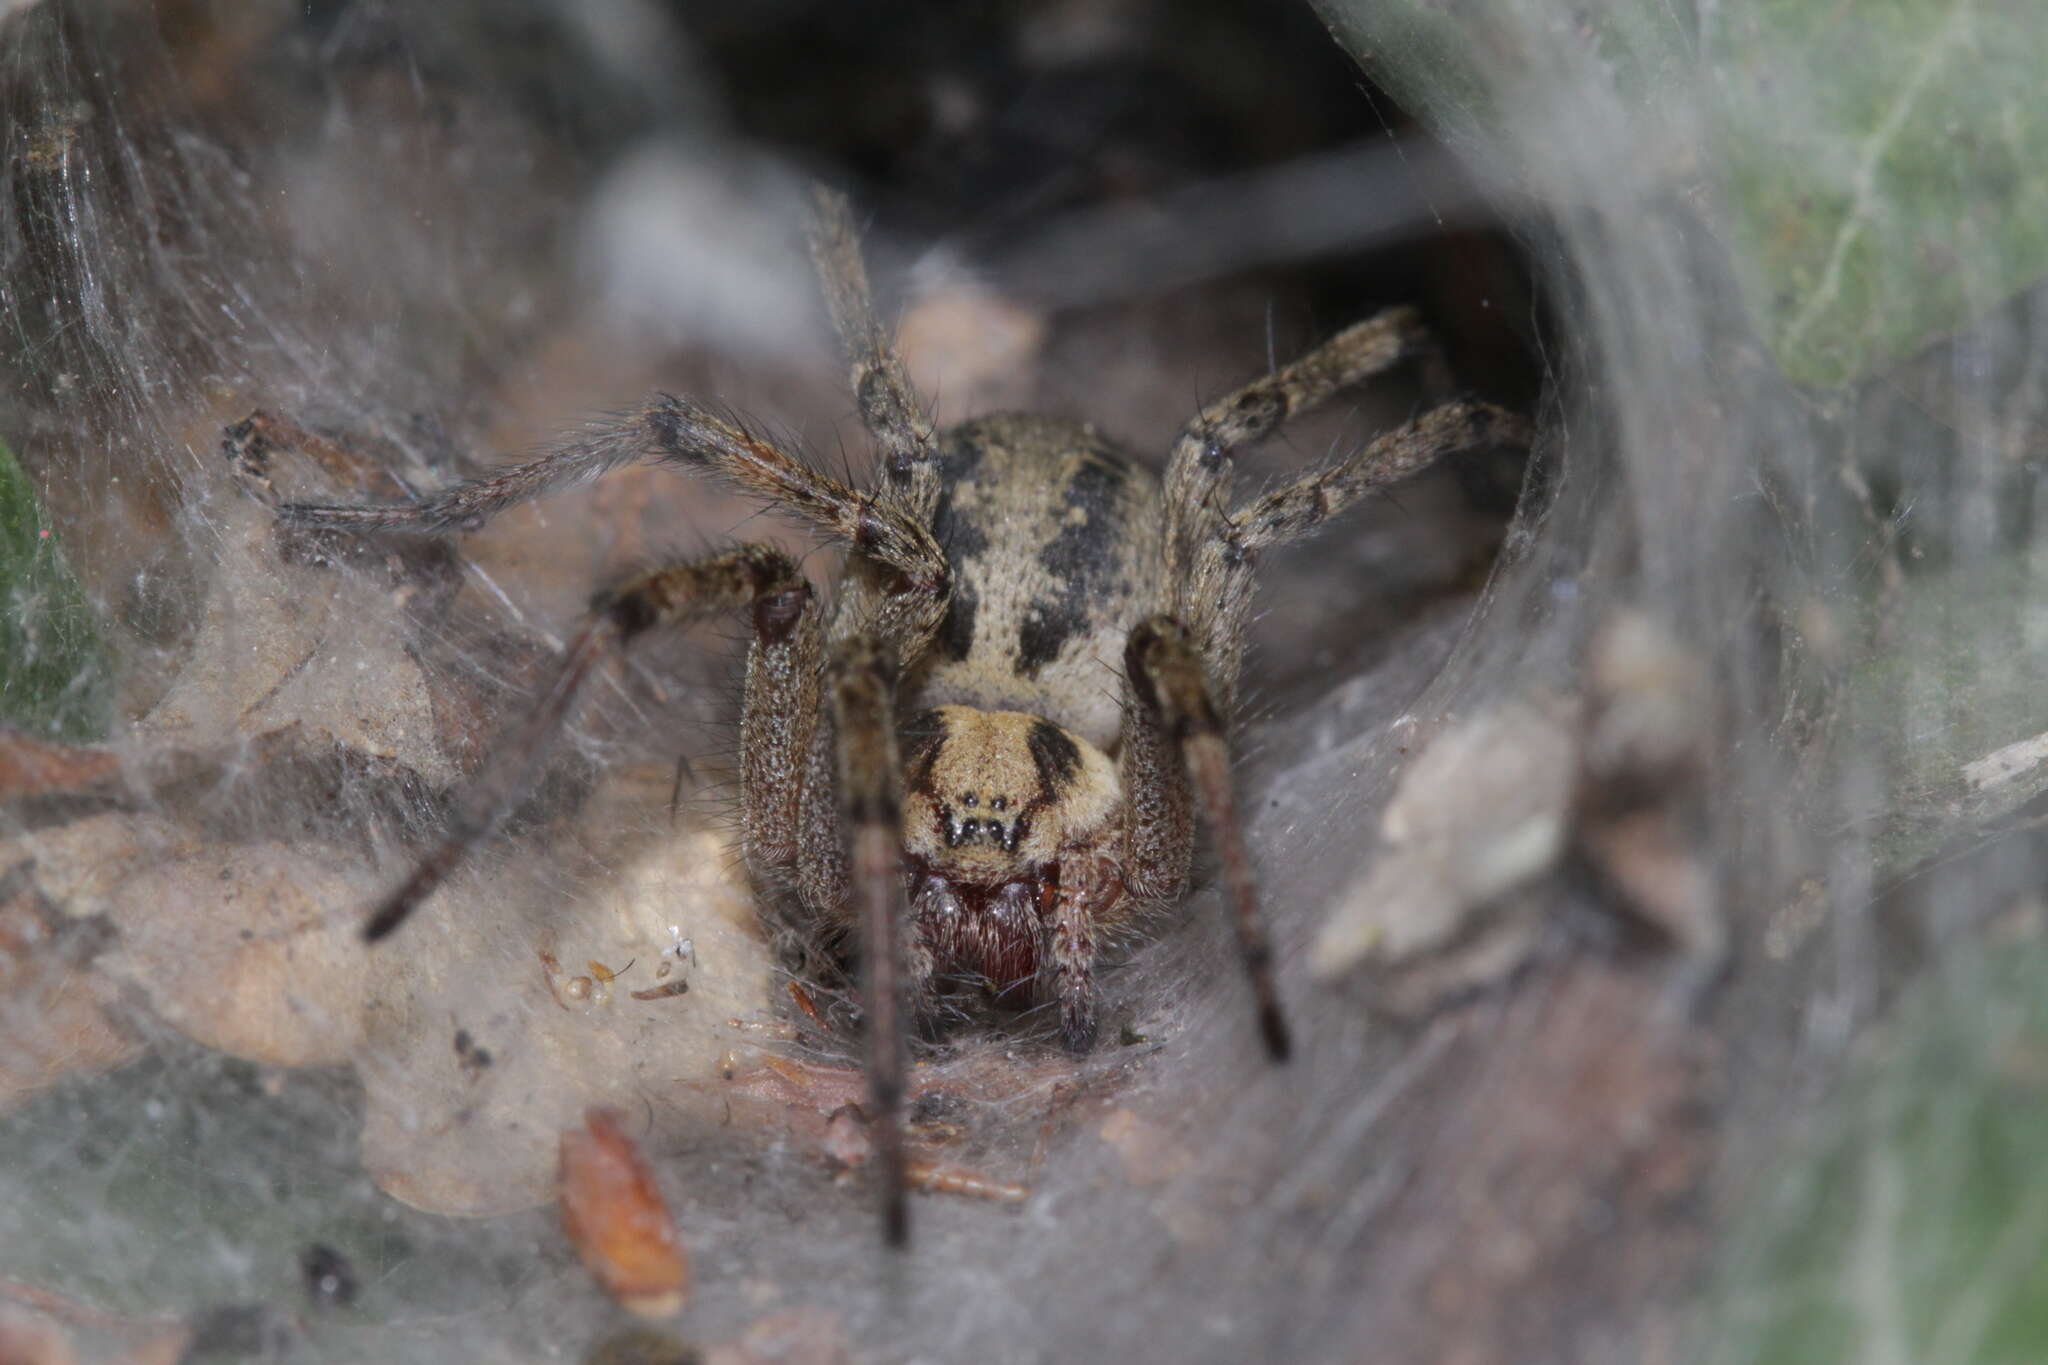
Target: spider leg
x=468 y=505
x=1212 y=601
x=777 y=719
x=1164 y=668
x=825 y=881
x=1296 y=509
x=899 y=424
x=670 y=596
x=1199 y=469
x=860 y=681
x=1220 y=600
x=250 y=443
x=1069 y=970
x=674 y=431
x=1159 y=824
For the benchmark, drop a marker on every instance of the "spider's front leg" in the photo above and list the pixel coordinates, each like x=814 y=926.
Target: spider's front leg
x=853 y=855
x=782 y=692
x=1068 y=972
x=1174 y=735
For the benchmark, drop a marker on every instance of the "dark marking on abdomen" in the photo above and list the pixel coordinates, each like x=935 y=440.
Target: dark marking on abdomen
x=1083 y=559
x=960 y=540
x=956 y=632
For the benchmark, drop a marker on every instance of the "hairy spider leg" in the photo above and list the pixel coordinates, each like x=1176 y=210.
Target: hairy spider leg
x=892 y=602
x=1299 y=508
x=667 y=597
x=675 y=431
x=861 y=681
x=1166 y=679
x=899 y=424
x=1200 y=470
x=862 y=676
x=1218 y=592
x=1182 y=665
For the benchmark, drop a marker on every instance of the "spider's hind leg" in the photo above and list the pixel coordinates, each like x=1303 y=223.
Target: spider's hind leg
x=1215 y=597
x=1298 y=508
x=1199 y=468
x=691 y=437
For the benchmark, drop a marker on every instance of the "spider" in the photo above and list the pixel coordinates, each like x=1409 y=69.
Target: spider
x=983 y=754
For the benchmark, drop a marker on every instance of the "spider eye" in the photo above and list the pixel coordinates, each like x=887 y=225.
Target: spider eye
x=999 y=803
x=970 y=799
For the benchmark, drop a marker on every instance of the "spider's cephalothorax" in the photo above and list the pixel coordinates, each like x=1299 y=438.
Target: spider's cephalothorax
x=985 y=752
x=1004 y=815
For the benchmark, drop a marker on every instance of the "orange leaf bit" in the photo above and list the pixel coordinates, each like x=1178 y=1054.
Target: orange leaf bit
x=615 y=1217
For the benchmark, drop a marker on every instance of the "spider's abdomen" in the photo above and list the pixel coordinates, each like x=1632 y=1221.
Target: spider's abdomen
x=1052 y=534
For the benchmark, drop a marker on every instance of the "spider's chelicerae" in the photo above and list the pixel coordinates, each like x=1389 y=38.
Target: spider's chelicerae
x=984 y=752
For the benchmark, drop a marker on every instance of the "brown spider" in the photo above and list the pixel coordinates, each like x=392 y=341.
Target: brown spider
x=983 y=754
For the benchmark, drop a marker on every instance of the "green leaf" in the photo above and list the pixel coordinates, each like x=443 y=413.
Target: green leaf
x=1883 y=165
x=54 y=677
x=1887 y=164
x=1914 y=1224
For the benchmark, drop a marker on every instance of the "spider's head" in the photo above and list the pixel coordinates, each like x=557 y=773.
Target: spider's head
x=989 y=795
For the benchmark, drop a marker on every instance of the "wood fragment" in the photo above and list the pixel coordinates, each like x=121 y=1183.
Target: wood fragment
x=932 y=1177
x=2001 y=766
x=847 y=1142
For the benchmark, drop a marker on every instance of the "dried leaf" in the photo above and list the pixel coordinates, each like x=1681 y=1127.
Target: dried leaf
x=56 y=1013
x=33 y=767
x=238 y=946
x=1483 y=809
x=613 y=1213
x=264 y=625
